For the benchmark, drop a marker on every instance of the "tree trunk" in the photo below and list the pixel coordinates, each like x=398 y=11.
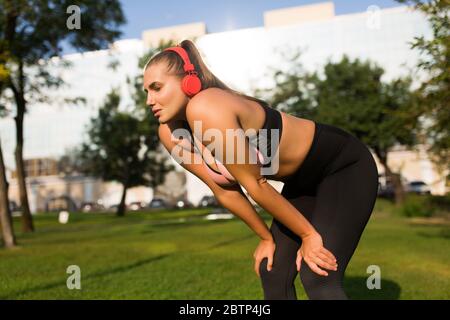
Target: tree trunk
x=5 y=214
x=27 y=219
x=395 y=178
x=121 y=208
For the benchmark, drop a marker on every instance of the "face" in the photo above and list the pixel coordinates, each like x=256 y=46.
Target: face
x=164 y=95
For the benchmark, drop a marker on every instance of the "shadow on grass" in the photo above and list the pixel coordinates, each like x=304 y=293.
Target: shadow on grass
x=60 y=283
x=443 y=233
x=119 y=269
x=356 y=289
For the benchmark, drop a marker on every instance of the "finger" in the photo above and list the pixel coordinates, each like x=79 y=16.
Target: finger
x=326 y=259
x=257 y=262
x=298 y=262
x=323 y=264
x=328 y=253
x=269 y=262
x=315 y=268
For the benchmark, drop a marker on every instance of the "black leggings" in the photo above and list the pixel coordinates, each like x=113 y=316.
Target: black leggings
x=335 y=189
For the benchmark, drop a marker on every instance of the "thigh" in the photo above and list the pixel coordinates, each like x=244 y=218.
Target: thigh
x=344 y=203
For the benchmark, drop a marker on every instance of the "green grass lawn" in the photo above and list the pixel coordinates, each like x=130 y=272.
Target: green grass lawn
x=181 y=255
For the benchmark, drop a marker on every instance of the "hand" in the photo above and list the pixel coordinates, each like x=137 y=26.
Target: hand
x=266 y=248
x=315 y=255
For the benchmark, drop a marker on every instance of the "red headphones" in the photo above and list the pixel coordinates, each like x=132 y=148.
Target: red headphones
x=190 y=84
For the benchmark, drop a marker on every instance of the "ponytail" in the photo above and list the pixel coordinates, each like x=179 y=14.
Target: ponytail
x=207 y=78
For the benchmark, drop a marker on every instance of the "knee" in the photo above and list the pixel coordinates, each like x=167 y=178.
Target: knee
x=268 y=277
x=277 y=283
x=319 y=287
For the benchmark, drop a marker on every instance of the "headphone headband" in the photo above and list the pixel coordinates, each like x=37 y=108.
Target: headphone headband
x=191 y=83
x=188 y=66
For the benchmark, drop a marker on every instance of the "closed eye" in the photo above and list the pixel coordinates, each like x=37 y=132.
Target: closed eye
x=155 y=89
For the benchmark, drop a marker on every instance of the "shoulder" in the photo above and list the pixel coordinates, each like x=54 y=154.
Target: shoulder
x=211 y=101
x=210 y=94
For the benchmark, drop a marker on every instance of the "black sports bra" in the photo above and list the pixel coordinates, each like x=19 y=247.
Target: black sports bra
x=273 y=121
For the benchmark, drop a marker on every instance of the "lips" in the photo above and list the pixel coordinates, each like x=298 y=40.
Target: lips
x=156 y=112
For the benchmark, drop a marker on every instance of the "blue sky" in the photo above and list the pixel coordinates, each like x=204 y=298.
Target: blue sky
x=220 y=15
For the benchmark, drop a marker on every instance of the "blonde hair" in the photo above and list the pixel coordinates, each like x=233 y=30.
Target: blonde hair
x=175 y=66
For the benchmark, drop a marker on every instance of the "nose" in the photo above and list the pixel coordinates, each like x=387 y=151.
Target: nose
x=150 y=102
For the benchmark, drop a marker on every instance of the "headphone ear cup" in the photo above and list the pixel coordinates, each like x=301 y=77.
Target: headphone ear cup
x=191 y=85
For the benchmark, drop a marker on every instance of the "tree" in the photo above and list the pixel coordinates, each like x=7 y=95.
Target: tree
x=33 y=31
x=122 y=148
x=350 y=95
x=382 y=115
x=9 y=239
x=434 y=92
x=293 y=91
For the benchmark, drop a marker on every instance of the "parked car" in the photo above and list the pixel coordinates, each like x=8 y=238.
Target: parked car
x=183 y=204
x=418 y=187
x=91 y=207
x=208 y=201
x=59 y=203
x=113 y=207
x=137 y=205
x=13 y=206
x=159 y=203
x=386 y=191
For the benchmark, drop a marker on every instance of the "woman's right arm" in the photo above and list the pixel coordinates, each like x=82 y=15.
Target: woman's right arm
x=232 y=197
x=237 y=202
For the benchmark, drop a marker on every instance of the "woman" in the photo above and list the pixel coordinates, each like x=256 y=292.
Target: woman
x=330 y=177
